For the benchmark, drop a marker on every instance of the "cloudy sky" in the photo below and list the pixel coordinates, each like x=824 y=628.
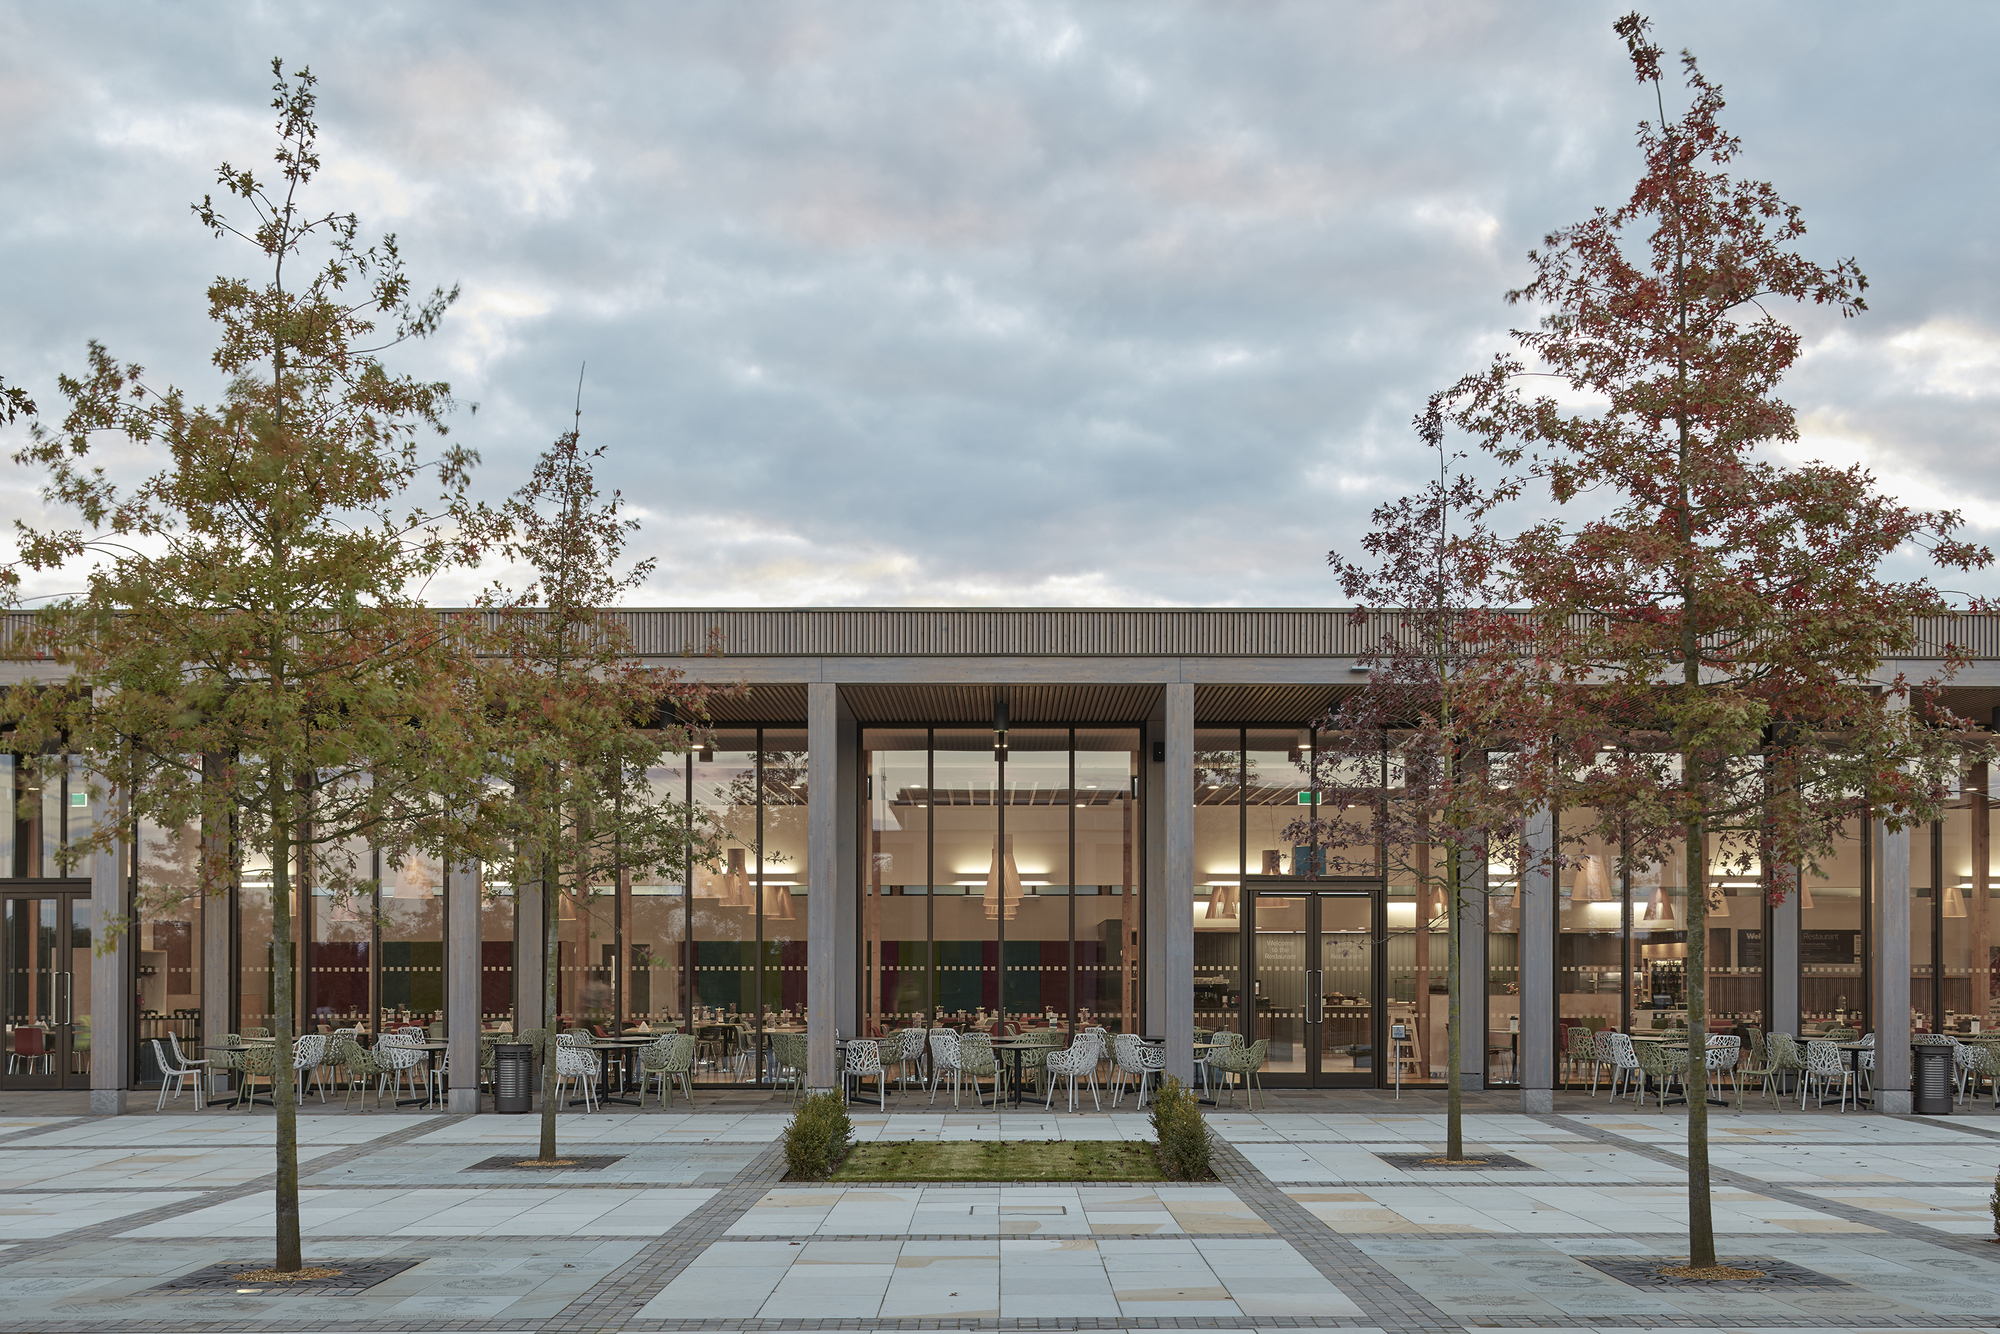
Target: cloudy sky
x=1028 y=303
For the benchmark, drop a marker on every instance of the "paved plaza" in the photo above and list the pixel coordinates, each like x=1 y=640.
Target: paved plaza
x=681 y=1220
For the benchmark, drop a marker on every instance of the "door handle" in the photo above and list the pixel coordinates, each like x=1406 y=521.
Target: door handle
x=1317 y=1005
x=68 y=997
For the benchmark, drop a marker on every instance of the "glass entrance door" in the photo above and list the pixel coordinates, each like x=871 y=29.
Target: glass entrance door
x=1314 y=970
x=45 y=990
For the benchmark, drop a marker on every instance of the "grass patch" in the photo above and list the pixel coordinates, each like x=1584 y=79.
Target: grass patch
x=1006 y=1160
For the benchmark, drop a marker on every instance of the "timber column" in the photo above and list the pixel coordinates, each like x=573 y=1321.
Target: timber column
x=1537 y=1065
x=462 y=985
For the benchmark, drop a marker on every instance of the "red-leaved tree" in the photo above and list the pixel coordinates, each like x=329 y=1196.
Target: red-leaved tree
x=1713 y=633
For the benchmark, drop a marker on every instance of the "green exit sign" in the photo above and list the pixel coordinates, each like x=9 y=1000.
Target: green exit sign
x=1308 y=798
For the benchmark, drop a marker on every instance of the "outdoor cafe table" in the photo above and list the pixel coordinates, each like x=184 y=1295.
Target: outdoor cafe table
x=239 y=1046
x=430 y=1047
x=604 y=1047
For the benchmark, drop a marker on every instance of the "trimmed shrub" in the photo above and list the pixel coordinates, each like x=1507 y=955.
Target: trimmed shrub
x=818 y=1137
x=1182 y=1139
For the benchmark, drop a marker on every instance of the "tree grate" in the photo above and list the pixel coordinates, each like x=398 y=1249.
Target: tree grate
x=1643 y=1271
x=573 y=1162
x=354 y=1276
x=1490 y=1162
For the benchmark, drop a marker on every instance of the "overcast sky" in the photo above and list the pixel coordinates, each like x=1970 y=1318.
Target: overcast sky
x=1006 y=303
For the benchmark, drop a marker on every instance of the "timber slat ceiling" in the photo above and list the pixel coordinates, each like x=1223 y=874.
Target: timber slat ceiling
x=1027 y=705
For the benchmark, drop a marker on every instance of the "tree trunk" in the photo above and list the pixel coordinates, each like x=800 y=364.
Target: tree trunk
x=1701 y=1222
x=1454 y=1084
x=551 y=957
x=282 y=1019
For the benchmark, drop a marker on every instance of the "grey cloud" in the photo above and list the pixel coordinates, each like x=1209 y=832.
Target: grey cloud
x=1027 y=302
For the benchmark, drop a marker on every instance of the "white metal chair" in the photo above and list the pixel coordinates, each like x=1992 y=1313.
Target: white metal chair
x=308 y=1055
x=174 y=1070
x=1079 y=1062
x=1823 y=1067
x=1603 y=1059
x=1724 y=1051
x=1624 y=1064
x=574 y=1065
x=395 y=1060
x=906 y=1053
x=1137 y=1060
x=864 y=1058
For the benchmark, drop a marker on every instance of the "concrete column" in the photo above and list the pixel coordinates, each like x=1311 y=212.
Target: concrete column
x=461 y=984
x=110 y=979
x=528 y=949
x=822 y=880
x=1153 y=981
x=1781 y=964
x=1471 y=980
x=1890 y=983
x=1173 y=948
x=1537 y=908
x=846 y=870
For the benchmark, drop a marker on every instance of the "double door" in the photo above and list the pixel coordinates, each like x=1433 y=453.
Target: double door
x=1315 y=970
x=45 y=962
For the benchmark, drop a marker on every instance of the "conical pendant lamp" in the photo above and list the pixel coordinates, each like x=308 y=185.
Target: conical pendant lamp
x=1003 y=884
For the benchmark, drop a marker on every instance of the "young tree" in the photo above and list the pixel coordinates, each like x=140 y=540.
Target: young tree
x=585 y=726
x=1400 y=768
x=1717 y=632
x=249 y=653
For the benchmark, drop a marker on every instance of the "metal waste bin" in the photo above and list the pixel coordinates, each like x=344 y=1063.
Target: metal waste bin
x=1930 y=1080
x=513 y=1076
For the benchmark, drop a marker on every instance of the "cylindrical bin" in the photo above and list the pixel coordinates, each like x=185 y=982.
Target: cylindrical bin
x=1930 y=1080
x=513 y=1076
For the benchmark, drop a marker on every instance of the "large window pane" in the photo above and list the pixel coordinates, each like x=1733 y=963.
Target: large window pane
x=1107 y=876
x=412 y=917
x=970 y=875
x=896 y=972
x=1833 y=983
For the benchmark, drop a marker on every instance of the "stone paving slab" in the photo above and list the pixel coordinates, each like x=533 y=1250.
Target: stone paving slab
x=1147 y=1210
x=438 y=1212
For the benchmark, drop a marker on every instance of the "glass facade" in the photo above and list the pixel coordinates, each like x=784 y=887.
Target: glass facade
x=1000 y=881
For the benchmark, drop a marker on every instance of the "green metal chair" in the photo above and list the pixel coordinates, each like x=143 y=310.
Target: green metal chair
x=259 y=1062
x=977 y=1060
x=1035 y=1058
x=1657 y=1069
x=788 y=1062
x=665 y=1060
x=256 y=1032
x=1768 y=1064
x=1579 y=1054
x=362 y=1070
x=1245 y=1062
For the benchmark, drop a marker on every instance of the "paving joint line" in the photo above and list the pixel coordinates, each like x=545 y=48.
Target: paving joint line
x=1869 y=1218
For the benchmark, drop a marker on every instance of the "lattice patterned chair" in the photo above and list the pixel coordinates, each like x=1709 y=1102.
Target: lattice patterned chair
x=1770 y=1070
x=905 y=1051
x=1824 y=1066
x=977 y=1061
x=864 y=1059
x=259 y=1062
x=1602 y=1062
x=1724 y=1051
x=1579 y=1051
x=362 y=1069
x=667 y=1059
x=1625 y=1067
x=1656 y=1070
x=789 y=1054
x=308 y=1055
x=1246 y=1062
x=1223 y=1039
x=1977 y=1060
x=1079 y=1062
x=1137 y=1060
x=395 y=1058
x=575 y=1065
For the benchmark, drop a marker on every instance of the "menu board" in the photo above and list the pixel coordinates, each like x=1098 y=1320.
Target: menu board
x=1829 y=947
x=1750 y=949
